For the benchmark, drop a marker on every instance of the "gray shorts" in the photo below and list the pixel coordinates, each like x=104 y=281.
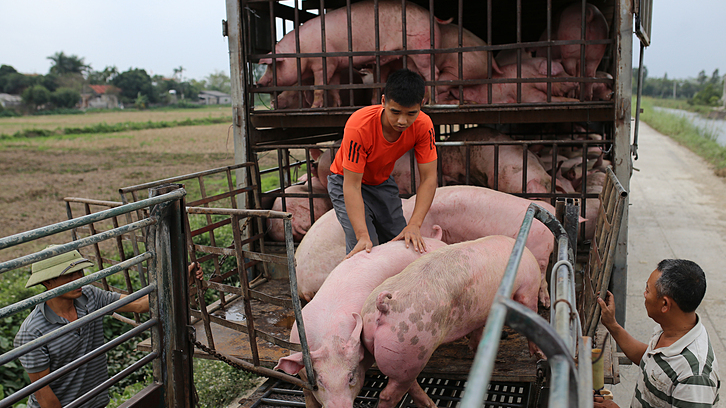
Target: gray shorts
x=384 y=214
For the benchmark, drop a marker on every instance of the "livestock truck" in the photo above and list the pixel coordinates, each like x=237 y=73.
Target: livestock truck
x=529 y=97
x=551 y=78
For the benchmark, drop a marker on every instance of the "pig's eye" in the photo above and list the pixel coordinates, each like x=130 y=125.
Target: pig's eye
x=351 y=379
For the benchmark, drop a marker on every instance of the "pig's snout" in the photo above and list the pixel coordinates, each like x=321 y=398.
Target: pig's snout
x=382 y=302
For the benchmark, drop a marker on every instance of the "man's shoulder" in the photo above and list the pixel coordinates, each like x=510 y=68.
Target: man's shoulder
x=363 y=116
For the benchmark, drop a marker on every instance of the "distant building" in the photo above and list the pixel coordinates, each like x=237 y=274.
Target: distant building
x=9 y=101
x=214 y=98
x=99 y=96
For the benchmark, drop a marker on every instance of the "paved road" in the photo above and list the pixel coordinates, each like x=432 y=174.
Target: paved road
x=677 y=210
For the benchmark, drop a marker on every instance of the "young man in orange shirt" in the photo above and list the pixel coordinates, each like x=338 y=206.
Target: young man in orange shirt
x=364 y=195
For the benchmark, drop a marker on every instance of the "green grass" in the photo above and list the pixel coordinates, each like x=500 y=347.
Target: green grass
x=112 y=128
x=677 y=104
x=699 y=140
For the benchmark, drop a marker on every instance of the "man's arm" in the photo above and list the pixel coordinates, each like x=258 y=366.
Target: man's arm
x=424 y=198
x=45 y=396
x=141 y=305
x=356 y=210
x=632 y=348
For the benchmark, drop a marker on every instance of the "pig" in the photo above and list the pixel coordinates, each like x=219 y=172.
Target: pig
x=510 y=163
x=531 y=91
x=418 y=36
x=474 y=63
x=567 y=26
x=465 y=213
x=595 y=183
x=300 y=208
x=439 y=298
x=602 y=91
x=319 y=252
x=333 y=323
x=291 y=99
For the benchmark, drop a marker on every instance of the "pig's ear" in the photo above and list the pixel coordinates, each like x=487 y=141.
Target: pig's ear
x=291 y=364
x=266 y=61
x=438 y=232
x=315 y=153
x=358 y=326
x=495 y=67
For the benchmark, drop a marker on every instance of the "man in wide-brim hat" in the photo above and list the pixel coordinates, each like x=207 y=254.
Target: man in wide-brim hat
x=56 y=313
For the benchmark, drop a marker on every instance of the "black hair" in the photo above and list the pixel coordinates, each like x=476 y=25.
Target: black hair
x=683 y=281
x=405 y=87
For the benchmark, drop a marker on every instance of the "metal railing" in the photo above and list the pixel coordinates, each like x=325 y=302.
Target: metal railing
x=560 y=341
x=165 y=258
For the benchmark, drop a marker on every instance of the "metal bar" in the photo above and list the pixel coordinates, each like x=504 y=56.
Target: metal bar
x=240 y=212
x=245 y=284
x=42 y=382
x=481 y=370
x=42 y=232
x=297 y=309
x=176 y=179
x=96 y=249
x=559 y=392
x=584 y=372
x=32 y=345
x=69 y=212
x=50 y=294
x=122 y=257
x=60 y=249
x=92 y=202
x=634 y=146
x=113 y=380
x=243 y=328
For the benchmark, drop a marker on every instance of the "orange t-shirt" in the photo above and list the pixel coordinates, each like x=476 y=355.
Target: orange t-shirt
x=365 y=150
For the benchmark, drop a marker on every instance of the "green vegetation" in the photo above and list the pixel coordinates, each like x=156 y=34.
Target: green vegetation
x=702 y=90
x=116 y=127
x=701 y=141
x=681 y=103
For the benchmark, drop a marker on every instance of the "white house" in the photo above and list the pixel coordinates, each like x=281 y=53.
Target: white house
x=214 y=98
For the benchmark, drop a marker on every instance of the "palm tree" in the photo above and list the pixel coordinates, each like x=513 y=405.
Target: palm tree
x=67 y=64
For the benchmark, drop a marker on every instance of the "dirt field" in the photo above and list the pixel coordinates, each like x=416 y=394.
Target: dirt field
x=35 y=174
x=12 y=125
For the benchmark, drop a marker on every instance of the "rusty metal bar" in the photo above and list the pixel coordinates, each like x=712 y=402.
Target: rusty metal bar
x=519 y=53
x=96 y=249
x=240 y=212
x=245 y=284
x=43 y=232
x=489 y=59
x=122 y=257
x=243 y=328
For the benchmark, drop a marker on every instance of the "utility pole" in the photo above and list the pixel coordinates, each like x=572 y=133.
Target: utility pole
x=723 y=95
x=675 y=84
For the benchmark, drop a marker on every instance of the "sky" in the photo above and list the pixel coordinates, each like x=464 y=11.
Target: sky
x=161 y=35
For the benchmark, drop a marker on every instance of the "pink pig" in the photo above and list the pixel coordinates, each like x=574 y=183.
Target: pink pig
x=465 y=213
x=300 y=208
x=530 y=91
x=418 y=36
x=567 y=26
x=439 y=298
x=509 y=164
x=474 y=63
x=333 y=323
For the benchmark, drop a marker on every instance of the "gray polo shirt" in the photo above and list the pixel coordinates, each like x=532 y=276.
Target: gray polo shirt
x=61 y=351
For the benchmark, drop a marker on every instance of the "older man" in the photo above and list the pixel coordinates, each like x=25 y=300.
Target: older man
x=56 y=313
x=678 y=366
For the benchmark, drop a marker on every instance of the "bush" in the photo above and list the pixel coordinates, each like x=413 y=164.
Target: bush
x=36 y=96
x=218 y=384
x=65 y=98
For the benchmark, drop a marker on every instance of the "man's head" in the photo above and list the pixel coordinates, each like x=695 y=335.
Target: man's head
x=58 y=270
x=675 y=280
x=406 y=88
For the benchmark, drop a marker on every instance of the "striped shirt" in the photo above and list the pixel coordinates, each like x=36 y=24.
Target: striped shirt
x=684 y=374
x=71 y=346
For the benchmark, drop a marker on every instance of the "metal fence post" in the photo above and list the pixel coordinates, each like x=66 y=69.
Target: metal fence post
x=170 y=305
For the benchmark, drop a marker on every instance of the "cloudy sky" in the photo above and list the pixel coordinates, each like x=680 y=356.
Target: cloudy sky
x=160 y=35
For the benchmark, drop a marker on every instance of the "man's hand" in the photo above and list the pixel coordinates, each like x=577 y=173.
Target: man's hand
x=195 y=271
x=607 y=310
x=364 y=242
x=600 y=402
x=412 y=235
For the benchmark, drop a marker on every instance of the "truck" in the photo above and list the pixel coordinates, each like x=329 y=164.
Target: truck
x=289 y=127
x=242 y=312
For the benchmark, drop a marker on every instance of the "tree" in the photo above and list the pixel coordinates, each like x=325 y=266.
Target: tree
x=179 y=71
x=103 y=77
x=67 y=64
x=65 y=98
x=715 y=77
x=218 y=81
x=132 y=83
x=36 y=96
x=702 y=78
